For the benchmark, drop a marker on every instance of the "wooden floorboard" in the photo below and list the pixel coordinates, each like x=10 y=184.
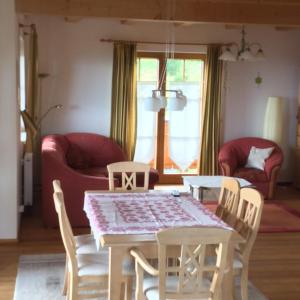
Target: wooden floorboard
x=274 y=266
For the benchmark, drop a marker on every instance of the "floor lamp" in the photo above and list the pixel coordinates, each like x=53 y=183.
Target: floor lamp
x=274 y=118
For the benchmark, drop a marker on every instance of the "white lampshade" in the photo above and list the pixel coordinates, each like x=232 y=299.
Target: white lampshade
x=176 y=103
x=273 y=123
x=152 y=104
x=260 y=55
x=227 y=55
x=246 y=55
x=163 y=101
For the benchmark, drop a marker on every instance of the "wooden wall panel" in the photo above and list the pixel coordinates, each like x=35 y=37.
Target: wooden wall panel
x=276 y=12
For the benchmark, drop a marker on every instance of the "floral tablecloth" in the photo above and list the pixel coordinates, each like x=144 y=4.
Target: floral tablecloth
x=145 y=213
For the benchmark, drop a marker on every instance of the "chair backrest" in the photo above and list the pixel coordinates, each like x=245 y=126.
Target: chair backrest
x=127 y=170
x=248 y=219
x=67 y=239
x=228 y=200
x=57 y=189
x=193 y=270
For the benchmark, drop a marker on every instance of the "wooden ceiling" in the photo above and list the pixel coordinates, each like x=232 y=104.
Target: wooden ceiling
x=275 y=12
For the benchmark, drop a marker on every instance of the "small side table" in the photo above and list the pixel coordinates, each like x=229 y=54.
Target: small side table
x=198 y=184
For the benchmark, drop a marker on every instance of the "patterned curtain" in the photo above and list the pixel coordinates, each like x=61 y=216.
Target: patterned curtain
x=124 y=102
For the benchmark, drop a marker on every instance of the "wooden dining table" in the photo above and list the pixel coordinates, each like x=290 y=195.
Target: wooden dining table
x=121 y=221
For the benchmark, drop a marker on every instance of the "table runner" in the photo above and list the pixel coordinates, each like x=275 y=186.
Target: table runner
x=145 y=213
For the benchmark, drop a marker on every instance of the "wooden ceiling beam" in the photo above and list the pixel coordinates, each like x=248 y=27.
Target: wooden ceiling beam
x=273 y=12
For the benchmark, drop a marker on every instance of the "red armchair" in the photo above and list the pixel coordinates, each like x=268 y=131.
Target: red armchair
x=79 y=161
x=233 y=157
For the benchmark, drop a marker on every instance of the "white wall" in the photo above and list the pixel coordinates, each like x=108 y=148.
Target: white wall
x=80 y=69
x=9 y=123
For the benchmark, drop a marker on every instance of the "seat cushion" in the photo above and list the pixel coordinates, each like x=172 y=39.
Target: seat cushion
x=237 y=264
x=85 y=244
x=251 y=174
x=97 y=264
x=92 y=264
x=151 y=289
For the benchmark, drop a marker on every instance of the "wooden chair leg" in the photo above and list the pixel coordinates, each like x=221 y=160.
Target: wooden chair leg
x=73 y=288
x=244 y=283
x=123 y=291
x=65 y=287
x=128 y=284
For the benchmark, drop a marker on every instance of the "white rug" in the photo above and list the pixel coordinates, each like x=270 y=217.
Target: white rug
x=40 y=277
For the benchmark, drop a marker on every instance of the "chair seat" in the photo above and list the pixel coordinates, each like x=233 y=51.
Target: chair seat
x=151 y=289
x=97 y=264
x=250 y=174
x=85 y=244
x=237 y=264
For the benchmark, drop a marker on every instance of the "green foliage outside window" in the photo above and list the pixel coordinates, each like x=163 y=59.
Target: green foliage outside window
x=148 y=69
x=193 y=69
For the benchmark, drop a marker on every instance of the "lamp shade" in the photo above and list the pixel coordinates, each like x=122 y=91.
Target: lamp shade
x=260 y=55
x=273 y=123
x=177 y=103
x=152 y=104
x=227 y=55
x=246 y=55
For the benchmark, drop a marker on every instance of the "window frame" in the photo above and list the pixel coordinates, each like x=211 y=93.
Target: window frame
x=160 y=128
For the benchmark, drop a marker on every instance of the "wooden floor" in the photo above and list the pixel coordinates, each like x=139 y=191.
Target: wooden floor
x=274 y=267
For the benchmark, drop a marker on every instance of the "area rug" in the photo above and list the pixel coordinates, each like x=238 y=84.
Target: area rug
x=276 y=217
x=41 y=277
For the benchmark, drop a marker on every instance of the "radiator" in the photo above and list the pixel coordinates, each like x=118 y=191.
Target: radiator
x=28 y=179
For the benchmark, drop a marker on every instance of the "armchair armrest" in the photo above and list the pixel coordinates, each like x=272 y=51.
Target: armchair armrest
x=228 y=161
x=273 y=162
x=142 y=261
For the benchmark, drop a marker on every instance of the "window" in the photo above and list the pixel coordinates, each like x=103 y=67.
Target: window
x=22 y=86
x=170 y=140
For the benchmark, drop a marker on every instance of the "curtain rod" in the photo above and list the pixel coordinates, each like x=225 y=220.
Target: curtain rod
x=164 y=43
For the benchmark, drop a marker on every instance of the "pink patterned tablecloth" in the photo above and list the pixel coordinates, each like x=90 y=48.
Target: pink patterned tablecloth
x=145 y=213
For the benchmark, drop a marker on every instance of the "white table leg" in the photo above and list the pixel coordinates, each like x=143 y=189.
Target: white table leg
x=116 y=255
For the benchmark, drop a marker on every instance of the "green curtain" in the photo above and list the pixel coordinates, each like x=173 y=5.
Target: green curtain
x=210 y=137
x=31 y=77
x=124 y=102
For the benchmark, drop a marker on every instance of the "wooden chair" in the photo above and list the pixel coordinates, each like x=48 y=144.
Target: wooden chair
x=87 y=272
x=228 y=200
x=127 y=170
x=189 y=279
x=247 y=224
x=83 y=244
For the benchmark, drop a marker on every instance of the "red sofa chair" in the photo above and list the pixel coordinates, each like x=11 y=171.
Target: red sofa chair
x=233 y=157
x=79 y=161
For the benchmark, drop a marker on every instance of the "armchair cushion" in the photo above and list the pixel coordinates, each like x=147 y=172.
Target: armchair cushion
x=76 y=158
x=257 y=157
x=251 y=174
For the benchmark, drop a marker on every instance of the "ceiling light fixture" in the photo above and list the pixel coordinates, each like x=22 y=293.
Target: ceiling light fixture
x=161 y=97
x=243 y=52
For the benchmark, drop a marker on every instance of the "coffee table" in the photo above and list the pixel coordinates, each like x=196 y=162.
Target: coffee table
x=198 y=184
